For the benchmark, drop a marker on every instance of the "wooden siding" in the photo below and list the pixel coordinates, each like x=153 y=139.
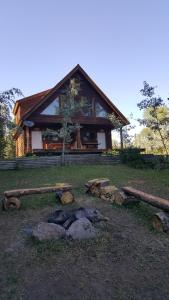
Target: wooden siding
x=20 y=145
x=86 y=91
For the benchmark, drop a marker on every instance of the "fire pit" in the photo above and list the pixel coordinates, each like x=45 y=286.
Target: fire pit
x=76 y=224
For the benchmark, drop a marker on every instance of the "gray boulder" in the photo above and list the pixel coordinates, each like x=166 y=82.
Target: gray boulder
x=81 y=229
x=48 y=231
x=92 y=214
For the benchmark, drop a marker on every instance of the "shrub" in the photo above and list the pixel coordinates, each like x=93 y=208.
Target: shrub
x=111 y=152
x=132 y=157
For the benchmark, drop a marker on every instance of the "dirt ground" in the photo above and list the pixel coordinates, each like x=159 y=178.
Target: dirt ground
x=128 y=260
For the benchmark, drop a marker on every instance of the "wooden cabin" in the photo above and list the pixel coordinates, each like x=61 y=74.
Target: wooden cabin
x=36 y=113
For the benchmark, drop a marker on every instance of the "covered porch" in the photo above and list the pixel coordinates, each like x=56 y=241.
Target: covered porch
x=86 y=139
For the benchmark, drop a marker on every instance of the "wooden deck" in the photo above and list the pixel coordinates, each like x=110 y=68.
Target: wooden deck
x=44 y=152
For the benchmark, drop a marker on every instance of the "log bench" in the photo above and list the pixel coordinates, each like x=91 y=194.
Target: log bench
x=160 y=219
x=11 y=197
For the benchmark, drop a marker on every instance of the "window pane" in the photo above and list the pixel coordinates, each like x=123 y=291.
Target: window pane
x=52 y=109
x=86 y=105
x=89 y=136
x=100 y=111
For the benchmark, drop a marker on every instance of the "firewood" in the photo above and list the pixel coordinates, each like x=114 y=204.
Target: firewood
x=67 y=198
x=161 y=222
x=94 y=190
x=113 y=194
x=11 y=202
x=100 y=181
x=93 y=186
x=108 y=193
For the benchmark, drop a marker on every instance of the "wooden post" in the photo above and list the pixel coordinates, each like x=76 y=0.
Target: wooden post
x=78 y=137
x=108 y=139
x=121 y=137
x=27 y=139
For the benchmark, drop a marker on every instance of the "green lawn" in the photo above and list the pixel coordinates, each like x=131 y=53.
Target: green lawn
x=128 y=261
x=155 y=181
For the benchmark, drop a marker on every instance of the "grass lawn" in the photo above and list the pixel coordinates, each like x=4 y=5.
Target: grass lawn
x=129 y=260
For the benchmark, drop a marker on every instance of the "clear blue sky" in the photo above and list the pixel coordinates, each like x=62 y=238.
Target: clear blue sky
x=119 y=44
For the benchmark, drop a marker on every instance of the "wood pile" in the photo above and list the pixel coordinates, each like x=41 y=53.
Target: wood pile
x=101 y=188
x=93 y=186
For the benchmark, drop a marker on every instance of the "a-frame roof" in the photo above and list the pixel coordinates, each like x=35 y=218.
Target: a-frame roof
x=41 y=98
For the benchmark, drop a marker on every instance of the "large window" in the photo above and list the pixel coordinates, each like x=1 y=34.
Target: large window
x=52 y=109
x=89 y=136
x=86 y=107
x=100 y=111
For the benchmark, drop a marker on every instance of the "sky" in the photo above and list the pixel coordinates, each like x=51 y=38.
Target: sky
x=119 y=43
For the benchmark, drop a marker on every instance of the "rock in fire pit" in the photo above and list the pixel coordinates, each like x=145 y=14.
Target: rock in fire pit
x=76 y=224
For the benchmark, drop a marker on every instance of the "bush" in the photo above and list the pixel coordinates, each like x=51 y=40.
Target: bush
x=132 y=157
x=111 y=152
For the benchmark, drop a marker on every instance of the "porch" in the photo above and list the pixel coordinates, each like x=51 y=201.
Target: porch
x=57 y=152
x=87 y=139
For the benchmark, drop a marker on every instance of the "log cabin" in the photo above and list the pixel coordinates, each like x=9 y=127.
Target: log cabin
x=36 y=113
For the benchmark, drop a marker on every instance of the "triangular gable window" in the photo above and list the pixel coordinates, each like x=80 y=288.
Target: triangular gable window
x=100 y=111
x=52 y=109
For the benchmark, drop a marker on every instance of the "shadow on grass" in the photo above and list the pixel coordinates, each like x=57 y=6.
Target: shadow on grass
x=143 y=212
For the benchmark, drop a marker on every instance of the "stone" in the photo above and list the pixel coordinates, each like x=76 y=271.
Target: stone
x=67 y=198
x=66 y=218
x=27 y=230
x=48 y=231
x=81 y=229
x=92 y=214
x=59 y=216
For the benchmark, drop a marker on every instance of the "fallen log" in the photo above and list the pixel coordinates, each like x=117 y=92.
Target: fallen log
x=148 y=198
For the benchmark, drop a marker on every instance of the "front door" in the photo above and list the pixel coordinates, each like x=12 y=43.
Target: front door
x=101 y=139
x=37 y=140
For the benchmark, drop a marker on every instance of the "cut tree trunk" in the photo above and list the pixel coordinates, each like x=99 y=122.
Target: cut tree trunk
x=161 y=221
x=113 y=194
x=11 y=202
x=67 y=198
x=93 y=186
x=152 y=200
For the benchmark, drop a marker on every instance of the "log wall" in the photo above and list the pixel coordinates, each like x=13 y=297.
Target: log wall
x=46 y=161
